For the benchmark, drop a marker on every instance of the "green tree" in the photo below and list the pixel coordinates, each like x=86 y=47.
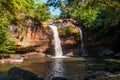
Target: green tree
x=41 y=11
x=97 y=15
x=6 y=40
x=17 y=12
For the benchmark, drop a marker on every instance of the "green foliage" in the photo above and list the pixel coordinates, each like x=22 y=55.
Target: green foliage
x=41 y=11
x=97 y=15
x=6 y=43
x=17 y=12
x=62 y=32
x=68 y=29
x=86 y=17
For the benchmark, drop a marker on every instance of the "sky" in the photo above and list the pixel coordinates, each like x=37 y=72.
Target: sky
x=53 y=11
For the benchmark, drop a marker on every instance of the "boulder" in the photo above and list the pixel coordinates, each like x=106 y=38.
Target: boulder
x=4 y=77
x=106 y=52
x=117 y=54
x=33 y=55
x=59 y=78
x=70 y=54
x=16 y=73
x=84 y=55
x=2 y=61
x=16 y=59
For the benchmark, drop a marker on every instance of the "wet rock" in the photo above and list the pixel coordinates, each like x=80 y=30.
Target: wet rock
x=84 y=55
x=113 y=77
x=4 y=77
x=2 y=61
x=59 y=78
x=106 y=52
x=70 y=54
x=96 y=75
x=70 y=42
x=117 y=55
x=33 y=54
x=117 y=72
x=16 y=73
x=16 y=59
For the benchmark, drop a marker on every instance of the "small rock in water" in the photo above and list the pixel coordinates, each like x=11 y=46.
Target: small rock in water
x=2 y=61
x=117 y=55
x=107 y=52
x=59 y=78
x=84 y=55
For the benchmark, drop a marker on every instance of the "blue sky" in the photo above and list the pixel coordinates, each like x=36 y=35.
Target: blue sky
x=53 y=11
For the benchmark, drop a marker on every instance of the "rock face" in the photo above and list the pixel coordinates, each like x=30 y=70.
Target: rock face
x=16 y=73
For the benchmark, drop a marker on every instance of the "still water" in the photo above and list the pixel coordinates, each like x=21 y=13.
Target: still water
x=72 y=68
x=48 y=68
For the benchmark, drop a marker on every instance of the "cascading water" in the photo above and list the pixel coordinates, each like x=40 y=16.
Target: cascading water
x=58 y=48
x=82 y=43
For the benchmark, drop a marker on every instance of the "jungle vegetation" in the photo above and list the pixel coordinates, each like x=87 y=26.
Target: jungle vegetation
x=17 y=13
x=101 y=18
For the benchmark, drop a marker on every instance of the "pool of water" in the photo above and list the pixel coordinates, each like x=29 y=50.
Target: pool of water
x=47 y=68
x=72 y=68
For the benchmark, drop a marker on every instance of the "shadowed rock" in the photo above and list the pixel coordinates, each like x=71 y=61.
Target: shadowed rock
x=16 y=73
x=4 y=77
x=59 y=78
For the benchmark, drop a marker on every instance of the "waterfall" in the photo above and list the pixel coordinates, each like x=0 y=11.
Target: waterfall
x=58 y=48
x=82 y=42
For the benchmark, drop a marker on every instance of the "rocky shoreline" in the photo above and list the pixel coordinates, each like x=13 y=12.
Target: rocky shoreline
x=18 y=58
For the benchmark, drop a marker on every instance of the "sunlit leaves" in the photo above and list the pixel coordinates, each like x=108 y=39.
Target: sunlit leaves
x=98 y=15
x=16 y=12
x=5 y=43
x=41 y=11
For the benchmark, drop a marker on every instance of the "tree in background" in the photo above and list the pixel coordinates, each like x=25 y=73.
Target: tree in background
x=100 y=17
x=17 y=12
x=6 y=40
x=90 y=13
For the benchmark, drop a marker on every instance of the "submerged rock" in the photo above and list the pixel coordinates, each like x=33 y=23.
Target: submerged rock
x=117 y=54
x=59 y=78
x=16 y=73
x=97 y=75
x=107 y=52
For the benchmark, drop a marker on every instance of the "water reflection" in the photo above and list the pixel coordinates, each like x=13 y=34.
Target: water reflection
x=57 y=68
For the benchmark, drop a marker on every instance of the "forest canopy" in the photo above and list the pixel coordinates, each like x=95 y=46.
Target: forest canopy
x=97 y=14
x=101 y=18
